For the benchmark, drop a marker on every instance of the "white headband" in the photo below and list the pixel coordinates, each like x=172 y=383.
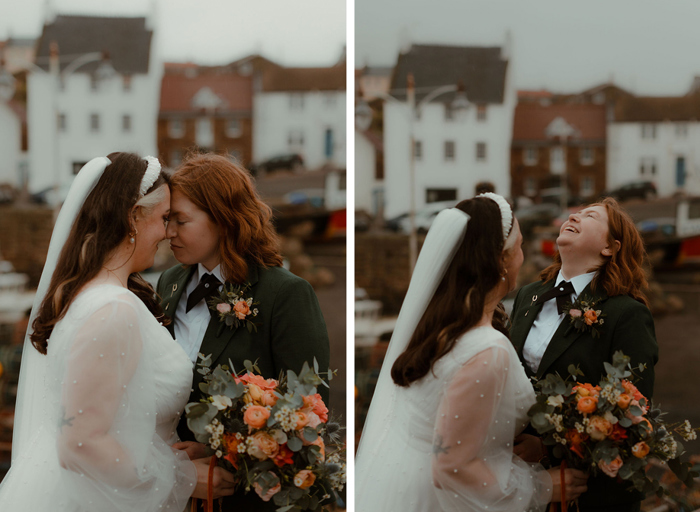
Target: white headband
x=506 y=212
x=151 y=174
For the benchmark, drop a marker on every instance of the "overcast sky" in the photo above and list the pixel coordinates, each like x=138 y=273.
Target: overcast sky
x=647 y=46
x=290 y=32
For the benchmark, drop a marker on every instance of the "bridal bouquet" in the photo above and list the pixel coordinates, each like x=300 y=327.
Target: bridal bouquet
x=610 y=428
x=273 y=435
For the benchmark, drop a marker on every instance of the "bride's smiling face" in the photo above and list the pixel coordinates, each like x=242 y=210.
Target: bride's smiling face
x=150 y=226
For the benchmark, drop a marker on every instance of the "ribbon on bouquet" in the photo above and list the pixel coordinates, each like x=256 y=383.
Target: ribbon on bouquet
x=209 y=502
x=562 y=476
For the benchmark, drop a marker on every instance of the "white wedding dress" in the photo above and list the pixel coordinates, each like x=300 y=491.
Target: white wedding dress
x=117 y=384
x=447 y=441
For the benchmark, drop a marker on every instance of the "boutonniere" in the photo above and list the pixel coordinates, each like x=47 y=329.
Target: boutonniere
x=584 y=316
x=235 y=307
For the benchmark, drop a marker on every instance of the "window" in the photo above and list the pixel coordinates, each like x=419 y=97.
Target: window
x=530 y=187
x=233 y=128
x=175 y=157
x=449 y=151
x=295 y=139
x=586 y=156
x=418 y=150
x=176 y=128
x=126 y=83
x=648 y=131
x=647 y=166
x=433 y=195
x=296 y=101
x=481 y=113
x=77 y=166
x=681 y=130
x=557 y=160
x=94 y=123
x=204 y=132
x=126 y=123
x=587 y=186
x=61 y=122
x=480 y=151
x=530 y=157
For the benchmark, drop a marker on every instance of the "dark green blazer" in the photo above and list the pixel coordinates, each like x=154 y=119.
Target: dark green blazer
x=291 y=331
x=628 y=327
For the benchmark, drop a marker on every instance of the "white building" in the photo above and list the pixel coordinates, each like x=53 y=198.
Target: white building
x=658 y=140
x=11 y=154
x=301 y=110
x=369 y=172
x=76 y=109
x=453 y=150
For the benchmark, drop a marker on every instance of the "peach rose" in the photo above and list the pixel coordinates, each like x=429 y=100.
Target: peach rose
x=254 y=395
x=270 y=492
x=260 y=381
x=590 y=317
x=586 y=389
x=256 y=416
x=632 y=390
x=314 y=403
x=314 y=420
x=263 y=446
x=268 y=398
x=223 y=307
x=598 y=428
x=242 y=309
x=610 y=468
x=304 y=479
x=302 y=420
x=624 y=401
x=587 y=404
x=575 y=313
x=640 y=450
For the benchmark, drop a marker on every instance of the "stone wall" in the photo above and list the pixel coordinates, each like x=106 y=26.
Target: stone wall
x=25 y=233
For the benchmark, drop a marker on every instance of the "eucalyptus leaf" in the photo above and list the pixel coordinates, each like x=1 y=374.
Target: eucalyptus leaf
x=625 y=422
x=295 y=493
x=284 y=509
x=625 y=472
x=310 y=434
x=635 y=411
x=295 y=444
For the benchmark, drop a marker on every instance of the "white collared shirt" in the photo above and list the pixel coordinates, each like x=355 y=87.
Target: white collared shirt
x=190 y=327
x=548 y=321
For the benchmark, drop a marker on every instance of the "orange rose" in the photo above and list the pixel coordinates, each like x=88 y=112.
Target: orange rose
x=242 y=309
x=610 y=468
x=260 y=381
x=576 y=440
x=598 y=428
x=256 y=416
x=254 y=394
x=586 y=389
x=263 y=446
x=632 y=390
x=624 y=401
x=318 y=407
x=302 y=420
x=590 y=317
x=640 y=450
x=268 y=398
x=587 y=404
x=304 y=479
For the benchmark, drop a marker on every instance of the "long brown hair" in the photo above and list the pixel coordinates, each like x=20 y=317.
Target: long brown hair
x=458 y=303
x=104 y=221
x=622 y=272
x=225 y=191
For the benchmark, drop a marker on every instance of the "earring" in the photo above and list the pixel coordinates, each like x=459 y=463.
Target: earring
x=133 y=236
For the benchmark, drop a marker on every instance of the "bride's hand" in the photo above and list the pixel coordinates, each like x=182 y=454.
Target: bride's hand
x=574 y=483
x=222 y=481
x=529 y=448
x=193 y=449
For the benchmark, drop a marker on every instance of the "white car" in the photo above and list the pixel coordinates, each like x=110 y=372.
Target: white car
x=424 y=218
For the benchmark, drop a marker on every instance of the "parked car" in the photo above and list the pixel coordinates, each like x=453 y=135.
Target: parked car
x=424 y=218
x=290 y=161
x=634 y=189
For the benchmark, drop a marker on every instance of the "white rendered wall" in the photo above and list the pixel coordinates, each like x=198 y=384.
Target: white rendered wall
x=365 y=183
x=627 y=148
x=52 y=153
x=432 y=171
x=274 y=119
x=10 y=145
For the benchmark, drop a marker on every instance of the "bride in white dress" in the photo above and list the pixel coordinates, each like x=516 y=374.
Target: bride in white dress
x=96 y=415
x=452 y=394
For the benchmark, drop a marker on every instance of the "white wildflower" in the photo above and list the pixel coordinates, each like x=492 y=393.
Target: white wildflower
x=219 y=454
x=221 y=402
x=580 y=428
x=555 y=401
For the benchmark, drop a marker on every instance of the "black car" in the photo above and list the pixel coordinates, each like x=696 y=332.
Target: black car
x=291 y=161
x=632 y=190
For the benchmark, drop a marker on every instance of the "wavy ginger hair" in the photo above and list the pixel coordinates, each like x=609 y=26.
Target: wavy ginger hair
x=621 y=273
x=225 y=192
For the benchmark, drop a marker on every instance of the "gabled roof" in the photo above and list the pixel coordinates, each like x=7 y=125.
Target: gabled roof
x=531 y=121
x=181 y=93
x=658 y=109
x=482 y=70
x=127 y=40
x=304 y=79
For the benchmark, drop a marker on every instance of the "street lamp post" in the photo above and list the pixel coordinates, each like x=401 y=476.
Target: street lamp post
x=363 y=119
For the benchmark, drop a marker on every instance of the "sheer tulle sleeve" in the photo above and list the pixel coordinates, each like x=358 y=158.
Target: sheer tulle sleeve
x=107 y=447
x=473 y=464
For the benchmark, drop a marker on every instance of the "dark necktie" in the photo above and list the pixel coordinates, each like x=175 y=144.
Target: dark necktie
x=207 y=287
x=562 y=292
